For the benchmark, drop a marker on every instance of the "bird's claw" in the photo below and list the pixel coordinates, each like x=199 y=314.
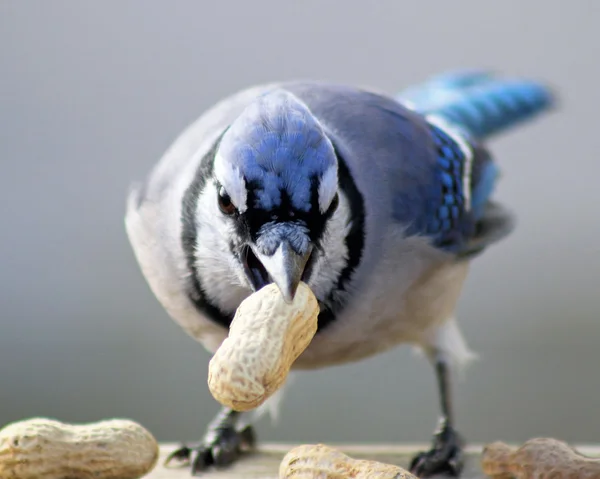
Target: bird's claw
x=445 y=457
x=220 y=450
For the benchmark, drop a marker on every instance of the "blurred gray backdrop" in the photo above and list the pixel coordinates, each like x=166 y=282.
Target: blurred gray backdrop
x=92 y=93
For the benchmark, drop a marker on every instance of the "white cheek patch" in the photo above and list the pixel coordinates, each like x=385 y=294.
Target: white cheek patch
x=232 y=181
x=223 y=279
x=327 y=188
x=334 y=257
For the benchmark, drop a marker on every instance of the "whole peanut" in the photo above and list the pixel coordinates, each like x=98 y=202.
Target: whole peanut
x=538 y=458
x=265 y=338
x=323 y=462
x=41 y=448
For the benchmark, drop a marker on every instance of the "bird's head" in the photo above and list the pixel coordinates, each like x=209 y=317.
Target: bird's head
x=275 y=186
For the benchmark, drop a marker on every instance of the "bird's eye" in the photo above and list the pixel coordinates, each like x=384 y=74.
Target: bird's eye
x=225 y=204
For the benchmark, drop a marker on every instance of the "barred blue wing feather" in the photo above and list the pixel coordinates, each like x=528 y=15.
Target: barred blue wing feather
x=466 y=220
x=464 y=181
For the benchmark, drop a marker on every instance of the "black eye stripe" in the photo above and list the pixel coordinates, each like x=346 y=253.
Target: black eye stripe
x=249 y=223
x=254 y=218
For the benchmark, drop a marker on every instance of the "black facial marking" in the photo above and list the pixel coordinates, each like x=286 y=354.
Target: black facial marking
x=354 y=241
x=189 y=236
x=335 y=202
x=250 y=222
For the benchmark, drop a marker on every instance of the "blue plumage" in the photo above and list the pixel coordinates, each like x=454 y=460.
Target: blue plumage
x=475 y=105
x=451 y=195
x=279 y=147
x=451 y=217
x=491 y=108
x=477 y=102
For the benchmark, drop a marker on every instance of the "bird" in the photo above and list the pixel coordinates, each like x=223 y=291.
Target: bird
x=378 y=201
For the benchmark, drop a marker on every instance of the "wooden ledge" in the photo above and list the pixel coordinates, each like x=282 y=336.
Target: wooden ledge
x=264 y=463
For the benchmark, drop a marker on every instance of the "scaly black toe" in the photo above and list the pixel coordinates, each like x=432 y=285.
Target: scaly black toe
x=445 y=457
x=219 y=449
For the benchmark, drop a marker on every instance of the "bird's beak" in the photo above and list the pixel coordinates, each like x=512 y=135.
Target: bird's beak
x=285 y=267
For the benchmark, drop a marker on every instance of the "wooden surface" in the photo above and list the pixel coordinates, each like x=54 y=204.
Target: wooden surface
x=264 y=463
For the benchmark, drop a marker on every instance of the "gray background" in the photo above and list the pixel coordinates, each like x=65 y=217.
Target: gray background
x=92 y=93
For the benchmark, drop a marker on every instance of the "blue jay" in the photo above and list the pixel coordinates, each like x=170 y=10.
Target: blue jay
x=378 y=202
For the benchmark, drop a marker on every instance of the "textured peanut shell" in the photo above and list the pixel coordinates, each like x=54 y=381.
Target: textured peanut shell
x=323 y=462
x=538 y=458
x=41 y=448
x=265 y=338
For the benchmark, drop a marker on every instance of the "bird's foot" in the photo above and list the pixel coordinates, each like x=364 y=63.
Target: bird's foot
x=445 y=457
x=219 y=448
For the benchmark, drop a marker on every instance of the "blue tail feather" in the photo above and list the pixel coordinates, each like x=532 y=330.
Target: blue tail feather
x=442 y=88
x=477 y=102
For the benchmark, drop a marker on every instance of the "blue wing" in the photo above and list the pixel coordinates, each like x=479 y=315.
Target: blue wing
x=463 y=108
x=460 y=213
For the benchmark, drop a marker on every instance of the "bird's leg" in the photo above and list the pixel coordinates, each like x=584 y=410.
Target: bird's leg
x=222 y=445
x=446 y=454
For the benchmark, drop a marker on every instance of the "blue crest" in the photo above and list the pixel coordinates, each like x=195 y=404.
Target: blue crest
x=278 y=146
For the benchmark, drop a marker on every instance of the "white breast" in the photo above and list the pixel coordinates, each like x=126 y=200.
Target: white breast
x=412 y=290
